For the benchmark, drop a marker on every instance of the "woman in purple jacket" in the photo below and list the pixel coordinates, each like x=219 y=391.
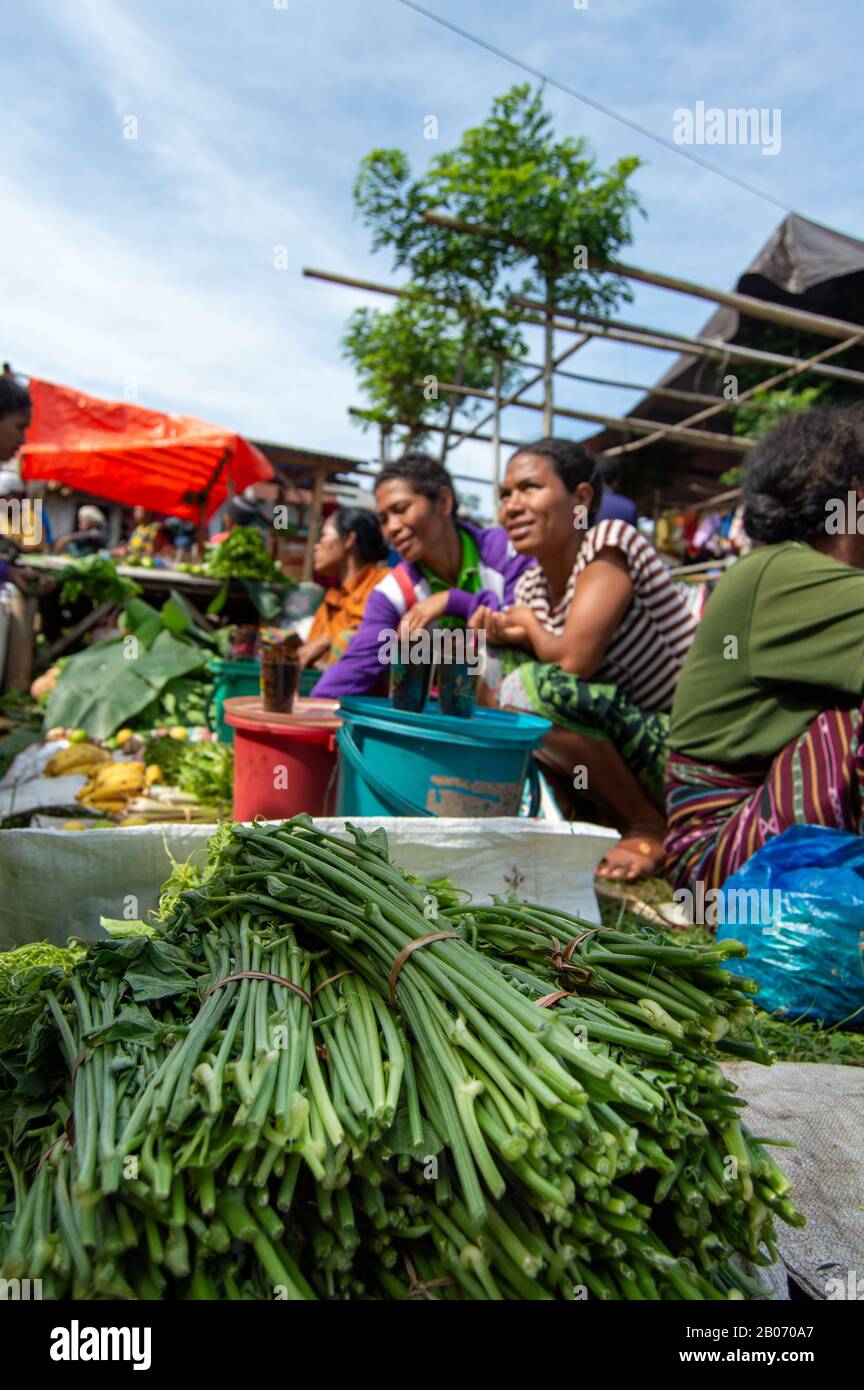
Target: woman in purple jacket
x=449 y=568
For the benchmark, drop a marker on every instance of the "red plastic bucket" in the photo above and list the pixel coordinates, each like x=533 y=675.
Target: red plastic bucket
x=283 y=763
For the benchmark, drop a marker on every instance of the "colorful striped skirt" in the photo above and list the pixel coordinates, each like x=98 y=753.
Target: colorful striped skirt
x=719 y=816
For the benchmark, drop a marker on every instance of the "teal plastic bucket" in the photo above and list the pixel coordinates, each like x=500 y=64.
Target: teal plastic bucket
x=396 y=763
x=232 y=678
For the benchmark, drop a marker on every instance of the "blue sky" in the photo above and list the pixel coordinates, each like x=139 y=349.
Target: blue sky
x=147 y=264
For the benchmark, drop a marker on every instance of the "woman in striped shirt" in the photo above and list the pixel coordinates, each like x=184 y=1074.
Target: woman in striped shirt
x=598 y=635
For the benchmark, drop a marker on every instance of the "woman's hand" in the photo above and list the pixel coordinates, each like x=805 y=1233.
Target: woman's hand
x=424 y=613
x=311 y=652
x=500 y=628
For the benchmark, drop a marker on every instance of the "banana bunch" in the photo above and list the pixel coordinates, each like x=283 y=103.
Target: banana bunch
x=112 y=786
x=81 y=758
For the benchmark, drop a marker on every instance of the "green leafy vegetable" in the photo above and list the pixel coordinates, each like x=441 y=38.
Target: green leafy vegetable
x=243 y=555
x=95 y=577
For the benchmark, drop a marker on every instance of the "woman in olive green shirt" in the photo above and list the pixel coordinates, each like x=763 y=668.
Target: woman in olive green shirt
x=767 y=726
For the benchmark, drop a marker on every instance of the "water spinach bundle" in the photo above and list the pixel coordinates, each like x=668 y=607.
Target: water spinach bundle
x=319 y=1078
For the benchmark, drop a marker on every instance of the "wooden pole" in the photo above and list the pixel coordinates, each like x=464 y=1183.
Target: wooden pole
x=548 y=360
x=438 y=429
x=710 y=349
x=514 y=396
x=742 y=398
x=746 y=304
x=726 y=443
x=620 y=331
x=314 y=525
x=19 y=654
x=496 y=439
x=664 y=392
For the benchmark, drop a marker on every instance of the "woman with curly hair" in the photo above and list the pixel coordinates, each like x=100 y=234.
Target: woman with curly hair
x=766 y=727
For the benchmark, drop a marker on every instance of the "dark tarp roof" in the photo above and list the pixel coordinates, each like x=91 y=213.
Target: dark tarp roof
x=802 y=264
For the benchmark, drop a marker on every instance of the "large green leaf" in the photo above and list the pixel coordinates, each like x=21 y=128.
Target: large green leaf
x=143 y=621
x=105 y=686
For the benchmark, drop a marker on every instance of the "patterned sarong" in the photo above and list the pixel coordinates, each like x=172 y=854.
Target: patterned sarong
x=586 y=707
x=718 y=817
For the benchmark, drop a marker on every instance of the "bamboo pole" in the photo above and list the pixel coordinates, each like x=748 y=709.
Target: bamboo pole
x=314 y=525
x=621 y=331
x=746 y=304
x=496 y=439
x=710 y=349
x=727 y=443
x=548 y=361
x=513 y=398
x=743 y=397
x=664 y=392
x=439 y=429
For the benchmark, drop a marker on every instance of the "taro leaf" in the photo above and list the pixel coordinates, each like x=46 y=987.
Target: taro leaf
x=178 y=617
x=218 y=601
x=97 y=690
x=175 y=615
x=268 y=600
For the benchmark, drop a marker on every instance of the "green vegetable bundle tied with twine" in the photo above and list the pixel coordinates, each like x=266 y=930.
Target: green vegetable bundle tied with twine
x=324 y=1079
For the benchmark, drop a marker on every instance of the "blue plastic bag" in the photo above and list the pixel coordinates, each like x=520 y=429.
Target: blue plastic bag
x=805 y=928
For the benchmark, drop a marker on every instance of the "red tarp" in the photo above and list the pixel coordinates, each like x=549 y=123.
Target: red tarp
x=169 y=464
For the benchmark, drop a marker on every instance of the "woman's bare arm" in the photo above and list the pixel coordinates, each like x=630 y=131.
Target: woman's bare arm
x=604 y=592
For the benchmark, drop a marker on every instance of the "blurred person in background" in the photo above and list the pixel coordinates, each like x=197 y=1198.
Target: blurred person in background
x=614 y=506
x=91 y=535
x=145 y=538
x=17 y=527
x=351 y=552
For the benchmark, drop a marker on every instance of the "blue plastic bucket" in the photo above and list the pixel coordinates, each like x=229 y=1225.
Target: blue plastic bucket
x=396 y=763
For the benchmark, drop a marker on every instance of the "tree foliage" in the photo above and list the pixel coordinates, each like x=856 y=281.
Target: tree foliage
x=509 y=172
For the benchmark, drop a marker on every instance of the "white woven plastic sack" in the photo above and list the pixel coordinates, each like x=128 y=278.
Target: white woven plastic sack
x=56 y=883
x=820 y=1108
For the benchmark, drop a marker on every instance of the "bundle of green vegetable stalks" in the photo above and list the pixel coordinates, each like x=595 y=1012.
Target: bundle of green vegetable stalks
x=318 y=1078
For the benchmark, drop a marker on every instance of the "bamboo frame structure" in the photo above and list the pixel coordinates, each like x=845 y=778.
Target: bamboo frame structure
x=548 y=315
x=746 y=304
x=710 y=349
x=854 y=341
x=728 y=443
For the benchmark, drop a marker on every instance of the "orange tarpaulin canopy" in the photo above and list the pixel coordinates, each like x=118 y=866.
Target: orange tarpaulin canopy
x=170 y=464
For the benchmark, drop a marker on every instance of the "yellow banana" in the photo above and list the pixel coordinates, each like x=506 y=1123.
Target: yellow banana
x=119 y=774
x=80 y=757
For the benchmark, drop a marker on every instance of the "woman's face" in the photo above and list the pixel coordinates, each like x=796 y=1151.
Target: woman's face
x=414 y=525
x=537 y=512
x=331 y=551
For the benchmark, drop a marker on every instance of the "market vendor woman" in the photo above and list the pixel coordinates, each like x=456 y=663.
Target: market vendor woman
x=449 y=569
x=351 y=552
x=768 y=724
x=596 y=640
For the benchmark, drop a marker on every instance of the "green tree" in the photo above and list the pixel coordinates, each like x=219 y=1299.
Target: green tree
x=422 y=340
x=547 y=195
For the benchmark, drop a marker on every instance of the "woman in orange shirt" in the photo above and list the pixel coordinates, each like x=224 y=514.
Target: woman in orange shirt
x=351 y=551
